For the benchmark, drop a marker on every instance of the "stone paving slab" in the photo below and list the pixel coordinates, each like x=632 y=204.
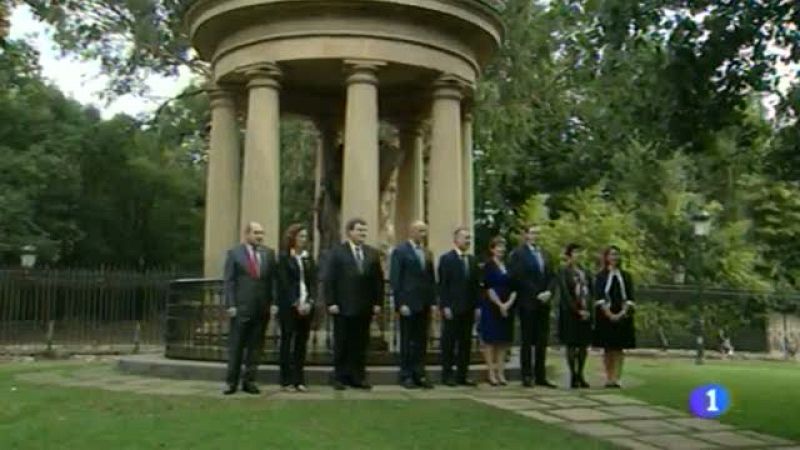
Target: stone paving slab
x=582 y=414
x=615 y=399
x=669 y=412
x=500 y=393
x=540 y=416
x=676 y=442
x=162 y=391
x=438 y=395
x=730 y=439
x=296 y=396
x=766 y=438
x=701 y=424
x=512 y=404
x=633 y=411
x=600 y=429
x=567 y=402
x=631 y=444
x=651 y=426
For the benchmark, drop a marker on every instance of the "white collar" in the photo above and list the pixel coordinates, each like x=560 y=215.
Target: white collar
x=616 y=273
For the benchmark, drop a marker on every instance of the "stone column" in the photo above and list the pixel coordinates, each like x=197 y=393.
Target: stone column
x=222 y=183
x=261 y=172
x=361 y=172
x=446 y=180
x=469 y=180
x=410 y=203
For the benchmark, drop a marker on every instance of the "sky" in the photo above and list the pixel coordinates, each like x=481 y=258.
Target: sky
x=83 y=80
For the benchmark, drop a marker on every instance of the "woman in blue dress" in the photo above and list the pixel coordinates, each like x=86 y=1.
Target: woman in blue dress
x=496 y=322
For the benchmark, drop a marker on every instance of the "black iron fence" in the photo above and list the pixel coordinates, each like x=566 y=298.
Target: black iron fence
x=197 y=327
x=126 y=309
x=82 y=307
x=683 y=317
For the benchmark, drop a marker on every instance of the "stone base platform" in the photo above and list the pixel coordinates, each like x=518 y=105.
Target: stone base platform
x=162 y=367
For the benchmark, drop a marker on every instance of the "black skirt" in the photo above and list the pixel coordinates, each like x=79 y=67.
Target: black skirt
x=573 y=331
x=614 y=335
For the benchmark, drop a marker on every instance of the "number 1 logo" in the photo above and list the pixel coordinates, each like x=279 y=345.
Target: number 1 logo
x=712 y=401
x=709 y=401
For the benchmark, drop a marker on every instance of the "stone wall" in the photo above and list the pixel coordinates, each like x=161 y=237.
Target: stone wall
x=778 y=327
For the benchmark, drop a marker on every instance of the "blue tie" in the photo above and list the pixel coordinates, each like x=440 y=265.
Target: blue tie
x=537 y=259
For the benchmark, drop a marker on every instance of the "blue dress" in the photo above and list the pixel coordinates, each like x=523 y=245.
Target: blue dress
x=493 y=328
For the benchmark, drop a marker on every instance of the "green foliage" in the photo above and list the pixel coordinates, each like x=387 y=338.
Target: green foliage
x=775 y=208
x=132 y=39
x=622 y=118
x=594 y=223
x=298 y=162
x=92 y=192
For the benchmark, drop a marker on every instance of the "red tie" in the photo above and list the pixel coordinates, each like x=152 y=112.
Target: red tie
x=253 y=263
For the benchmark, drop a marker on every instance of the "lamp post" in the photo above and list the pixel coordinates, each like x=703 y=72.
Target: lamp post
x=27 y=258
x=701 y=221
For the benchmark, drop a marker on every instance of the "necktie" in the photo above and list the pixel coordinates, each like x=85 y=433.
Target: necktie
x=538 y=257
x=465 y=260
x=420 y=255
x=253 y=260
x=360 y=258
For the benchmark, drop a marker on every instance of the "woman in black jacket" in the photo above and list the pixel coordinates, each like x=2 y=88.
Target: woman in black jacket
x=297 y=293
x=574 y=313
x=614 y=323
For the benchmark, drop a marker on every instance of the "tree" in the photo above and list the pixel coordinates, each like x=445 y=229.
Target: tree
x=131 y=39
x=40 y=134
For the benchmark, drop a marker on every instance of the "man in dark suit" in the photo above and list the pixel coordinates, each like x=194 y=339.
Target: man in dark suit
x=353 y=284
x=459 y=290
x=414 y=288
x=249 y=290
x=532 y=276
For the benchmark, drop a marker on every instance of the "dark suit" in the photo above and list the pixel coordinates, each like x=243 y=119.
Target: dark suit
x=295 y=328
x=252 y=297
x=459 y=290
x=355 y=291
x=530 y=280
x=413 y=285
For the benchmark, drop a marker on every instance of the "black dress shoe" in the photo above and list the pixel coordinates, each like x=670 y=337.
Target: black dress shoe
x=467 y=382
x=613 y=386
x=574 y=384
x=527 y=382
x=251 y=388
x=582 y=383
x=231 y=389
x=338 y=385
x=546 y=384
x=362 y=386
x=450 y=383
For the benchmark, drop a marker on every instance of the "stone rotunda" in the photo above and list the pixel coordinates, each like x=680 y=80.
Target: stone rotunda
x=352 y=67
x=347 y=65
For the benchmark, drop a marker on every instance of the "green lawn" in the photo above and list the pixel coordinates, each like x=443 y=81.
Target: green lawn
x=33 y=417
x=765 y=396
